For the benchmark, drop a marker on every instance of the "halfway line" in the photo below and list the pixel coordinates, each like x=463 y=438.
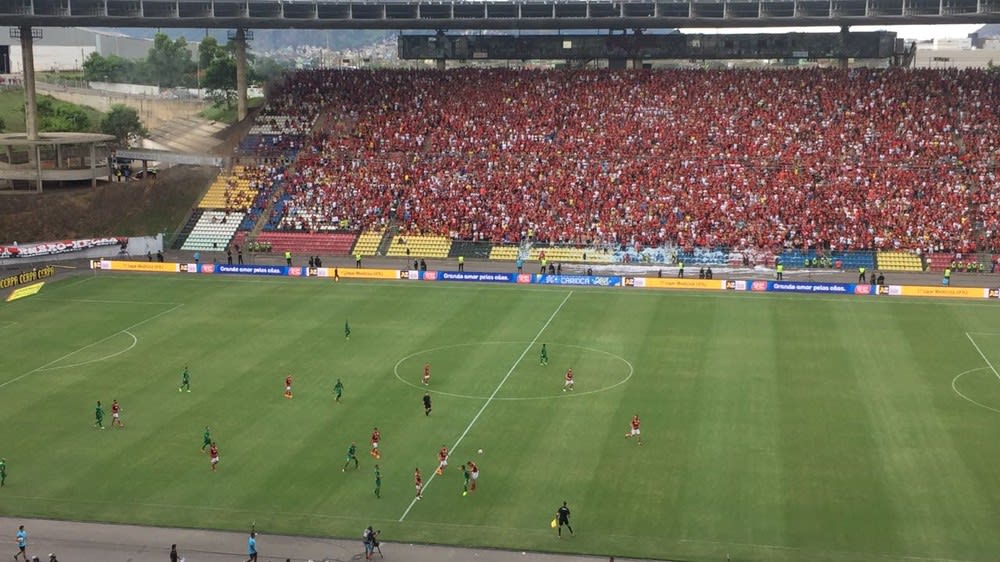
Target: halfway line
x=981 y=354
x=74 y=352
x=492 y=396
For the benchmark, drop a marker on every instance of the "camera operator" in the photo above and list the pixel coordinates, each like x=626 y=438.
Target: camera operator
x=370 y=538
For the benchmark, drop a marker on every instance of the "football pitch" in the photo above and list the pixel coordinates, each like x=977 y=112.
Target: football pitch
x=774 y=427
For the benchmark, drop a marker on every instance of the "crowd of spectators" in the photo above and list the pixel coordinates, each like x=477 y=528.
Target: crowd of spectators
x=767 y=159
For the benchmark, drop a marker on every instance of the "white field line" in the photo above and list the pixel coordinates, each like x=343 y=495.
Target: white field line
x=101 y=301
x=492 y=396
x=89 y=345
x=981 y=354
x=135 y=342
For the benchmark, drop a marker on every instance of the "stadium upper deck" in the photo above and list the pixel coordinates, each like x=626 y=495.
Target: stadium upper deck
x=464 y=14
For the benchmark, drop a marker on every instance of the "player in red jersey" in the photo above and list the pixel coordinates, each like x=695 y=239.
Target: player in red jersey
x=376 y=437
x=116 y=411
x=213 y=453
x=288 y=386
x=418 y=482
x=427 y=374
x=474 y=475
x=635 y=429
x=442 y=460
x=568 y=385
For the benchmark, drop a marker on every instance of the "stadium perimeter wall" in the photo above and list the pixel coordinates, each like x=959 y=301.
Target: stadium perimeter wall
x=617 y=281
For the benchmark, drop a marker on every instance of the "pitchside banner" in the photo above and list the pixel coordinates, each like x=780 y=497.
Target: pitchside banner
x=115 y=265
x=678 y=283
x=482 y=277
x=820 y=288
x=584 y=280
x=273 y=270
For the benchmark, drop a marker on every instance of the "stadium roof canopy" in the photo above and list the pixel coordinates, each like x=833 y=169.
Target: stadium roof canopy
x=464 y=14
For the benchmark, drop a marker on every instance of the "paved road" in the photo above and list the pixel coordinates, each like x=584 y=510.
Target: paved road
x=96 y=542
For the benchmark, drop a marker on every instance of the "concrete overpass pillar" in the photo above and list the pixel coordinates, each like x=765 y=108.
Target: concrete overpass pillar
x=240 y=42
x=442 y=64
x=842 y=62
x=28 y=66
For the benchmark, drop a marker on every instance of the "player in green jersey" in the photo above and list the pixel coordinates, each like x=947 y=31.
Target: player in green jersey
x=378 y=483
x=206 y=439
x=352 y=455
x=347 y=330
x=465 y=477
x=543 y=359
x=99 y=415
x=185 y=380
x=3 y=472
x=338 y=389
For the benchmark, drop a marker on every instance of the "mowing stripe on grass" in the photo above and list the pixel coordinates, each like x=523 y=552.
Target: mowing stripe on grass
x=492 y=396
x=89 y=345
x=983 y=355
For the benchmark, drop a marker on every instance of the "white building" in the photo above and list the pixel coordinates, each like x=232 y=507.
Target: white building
x=65 y=48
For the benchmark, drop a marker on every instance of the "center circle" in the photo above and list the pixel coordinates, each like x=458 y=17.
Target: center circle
x=954 y=386
x=553 y=348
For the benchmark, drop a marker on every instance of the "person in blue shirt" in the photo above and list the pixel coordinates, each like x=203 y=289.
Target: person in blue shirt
x=252 y=547
x=22 y=543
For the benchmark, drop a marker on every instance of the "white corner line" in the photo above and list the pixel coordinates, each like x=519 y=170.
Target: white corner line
x=983 y=355
x=492 y=396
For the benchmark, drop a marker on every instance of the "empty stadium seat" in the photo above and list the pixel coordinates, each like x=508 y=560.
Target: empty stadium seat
x=420 y=246
x=213 y=231
x=899 y=261
x=368 y=243
x=338 y=244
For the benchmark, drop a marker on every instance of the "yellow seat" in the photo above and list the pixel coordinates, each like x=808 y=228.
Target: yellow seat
x=503 y=253
x=368 y=243
x=420 y=246
x=899 y=261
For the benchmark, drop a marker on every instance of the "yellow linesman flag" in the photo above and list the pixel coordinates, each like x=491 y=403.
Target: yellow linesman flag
x=553 y=524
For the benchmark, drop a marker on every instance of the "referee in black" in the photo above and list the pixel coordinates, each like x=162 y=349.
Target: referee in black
x=427 y=403
x=562 y=515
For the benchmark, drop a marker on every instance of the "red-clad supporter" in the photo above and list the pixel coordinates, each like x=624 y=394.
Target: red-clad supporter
x=699 y=158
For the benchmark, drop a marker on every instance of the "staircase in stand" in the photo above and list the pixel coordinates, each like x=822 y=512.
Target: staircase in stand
x=185 y=231
x=390 y=234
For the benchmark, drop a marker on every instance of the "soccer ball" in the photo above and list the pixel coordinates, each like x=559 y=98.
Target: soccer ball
x=480 y=451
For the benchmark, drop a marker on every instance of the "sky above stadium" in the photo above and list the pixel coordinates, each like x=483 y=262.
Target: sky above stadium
x=917 y=32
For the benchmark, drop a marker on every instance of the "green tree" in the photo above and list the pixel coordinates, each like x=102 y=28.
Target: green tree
x=61 y=117
x=169 y=63
x=266 y=69
x=209 y=50
x=109 y=69
x=123 y=122
x=220 y=80
x=218 y=65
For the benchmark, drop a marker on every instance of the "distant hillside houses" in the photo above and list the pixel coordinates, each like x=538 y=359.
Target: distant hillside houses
x=67 y=48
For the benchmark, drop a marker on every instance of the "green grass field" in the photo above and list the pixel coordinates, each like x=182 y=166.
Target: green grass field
x=775 y=427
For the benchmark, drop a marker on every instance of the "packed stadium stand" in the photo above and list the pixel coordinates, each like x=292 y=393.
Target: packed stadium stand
x=716 y=163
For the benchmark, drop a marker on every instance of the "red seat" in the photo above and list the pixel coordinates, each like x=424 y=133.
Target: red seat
x=939 y=261
x=339 y=244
